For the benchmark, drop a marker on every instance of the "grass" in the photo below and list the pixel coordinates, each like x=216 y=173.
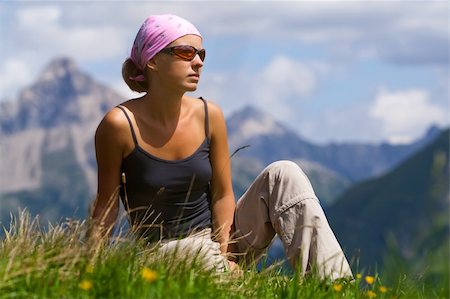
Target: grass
x=56 y=262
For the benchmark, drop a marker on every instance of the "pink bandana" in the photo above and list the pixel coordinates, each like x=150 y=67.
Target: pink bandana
x=154 y=35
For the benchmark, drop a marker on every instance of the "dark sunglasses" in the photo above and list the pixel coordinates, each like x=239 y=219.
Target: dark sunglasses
x=185 y=52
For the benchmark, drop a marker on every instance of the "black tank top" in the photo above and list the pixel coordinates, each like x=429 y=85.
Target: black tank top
x=167 y=198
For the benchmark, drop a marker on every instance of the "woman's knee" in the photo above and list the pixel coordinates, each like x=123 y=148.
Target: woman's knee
x=283 y=166
x=290 y=177
x=285 y=169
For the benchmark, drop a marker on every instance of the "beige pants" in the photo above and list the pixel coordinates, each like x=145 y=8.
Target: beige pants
x=280 y=201
x=199 y=248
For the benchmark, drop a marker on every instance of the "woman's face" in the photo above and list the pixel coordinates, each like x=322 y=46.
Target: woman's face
x=176 y=73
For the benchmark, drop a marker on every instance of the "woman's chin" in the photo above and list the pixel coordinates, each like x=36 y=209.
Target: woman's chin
x=191 y=87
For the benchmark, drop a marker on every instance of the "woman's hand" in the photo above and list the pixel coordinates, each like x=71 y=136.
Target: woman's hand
x=234 y=270
x=233 y=266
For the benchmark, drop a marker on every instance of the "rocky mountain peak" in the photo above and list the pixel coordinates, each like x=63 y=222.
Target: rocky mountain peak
x=254 y=121
x=57 y=69
x=251 y=122
x=253 y=113
x=62 y=94
x=63 y=78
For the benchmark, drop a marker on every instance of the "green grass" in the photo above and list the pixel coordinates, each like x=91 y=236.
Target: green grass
x=55 y=262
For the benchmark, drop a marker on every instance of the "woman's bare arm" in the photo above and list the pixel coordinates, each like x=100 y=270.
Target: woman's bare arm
x=110 y=138
x=223 y=202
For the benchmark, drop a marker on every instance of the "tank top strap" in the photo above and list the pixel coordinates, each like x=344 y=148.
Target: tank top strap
x=206 y=117
x=129 y=122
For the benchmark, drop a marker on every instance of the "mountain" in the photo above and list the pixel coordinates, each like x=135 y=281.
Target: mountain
x=269 y=140
x=251 y=126
x=47 y=146
x=259 y=140
x=406 y=208
x=62 y=95
x=48 y=160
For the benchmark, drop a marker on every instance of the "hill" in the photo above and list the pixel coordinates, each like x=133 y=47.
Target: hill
x=406 y=210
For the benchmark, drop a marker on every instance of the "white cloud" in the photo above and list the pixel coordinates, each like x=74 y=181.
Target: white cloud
x=87 y=31
x=37 y=33
x=412 y=33
x=38 y=16
x=93 y=43
x=280 y=86
x=405 y=114
x=282 y=81
x=13 y=74
x=95 y=34
x=287 y=76
x=45 y=30
x=344 y=123
x=400 y=32
x=390 y=30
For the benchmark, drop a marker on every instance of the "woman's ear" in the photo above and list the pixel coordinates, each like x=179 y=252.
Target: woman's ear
x=151 y=64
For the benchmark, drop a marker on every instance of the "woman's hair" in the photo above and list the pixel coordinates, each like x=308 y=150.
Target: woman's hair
x=129 y=71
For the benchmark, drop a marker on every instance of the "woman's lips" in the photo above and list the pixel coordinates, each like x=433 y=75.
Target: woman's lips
x=194 y=76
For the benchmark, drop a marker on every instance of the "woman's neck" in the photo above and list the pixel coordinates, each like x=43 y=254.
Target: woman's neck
x=163 y=107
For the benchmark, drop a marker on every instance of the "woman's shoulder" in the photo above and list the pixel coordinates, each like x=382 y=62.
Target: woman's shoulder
x=216 y=118
x=214 y=111
x=114 y=121
x=212 y=107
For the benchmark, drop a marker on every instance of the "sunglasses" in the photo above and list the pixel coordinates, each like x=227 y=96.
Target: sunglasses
x=185 y=52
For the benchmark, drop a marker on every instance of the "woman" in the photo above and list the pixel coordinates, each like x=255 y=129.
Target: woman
x=168 y=152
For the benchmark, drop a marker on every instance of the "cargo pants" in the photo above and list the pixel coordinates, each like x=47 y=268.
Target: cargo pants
x=280 y=201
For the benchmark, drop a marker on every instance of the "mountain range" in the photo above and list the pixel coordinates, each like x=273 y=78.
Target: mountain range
x=332 y=168
x=48 y=159
x=269 y=140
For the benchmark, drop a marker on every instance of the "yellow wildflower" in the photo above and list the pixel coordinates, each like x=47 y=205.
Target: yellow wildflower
x=371 y=294
x=358 y=276
x=149 y=275
x=370 y=279
x=85 y=285
x=337 y=287
x=383 y=289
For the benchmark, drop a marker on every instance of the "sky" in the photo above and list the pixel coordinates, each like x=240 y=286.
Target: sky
x=333 y=71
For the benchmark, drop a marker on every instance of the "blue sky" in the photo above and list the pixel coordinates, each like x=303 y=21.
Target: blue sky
x=333 y=71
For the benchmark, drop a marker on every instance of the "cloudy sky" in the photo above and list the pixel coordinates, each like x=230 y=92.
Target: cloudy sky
x=339 y=71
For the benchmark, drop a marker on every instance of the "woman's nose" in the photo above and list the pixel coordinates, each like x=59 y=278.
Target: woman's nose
x=197 y=60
